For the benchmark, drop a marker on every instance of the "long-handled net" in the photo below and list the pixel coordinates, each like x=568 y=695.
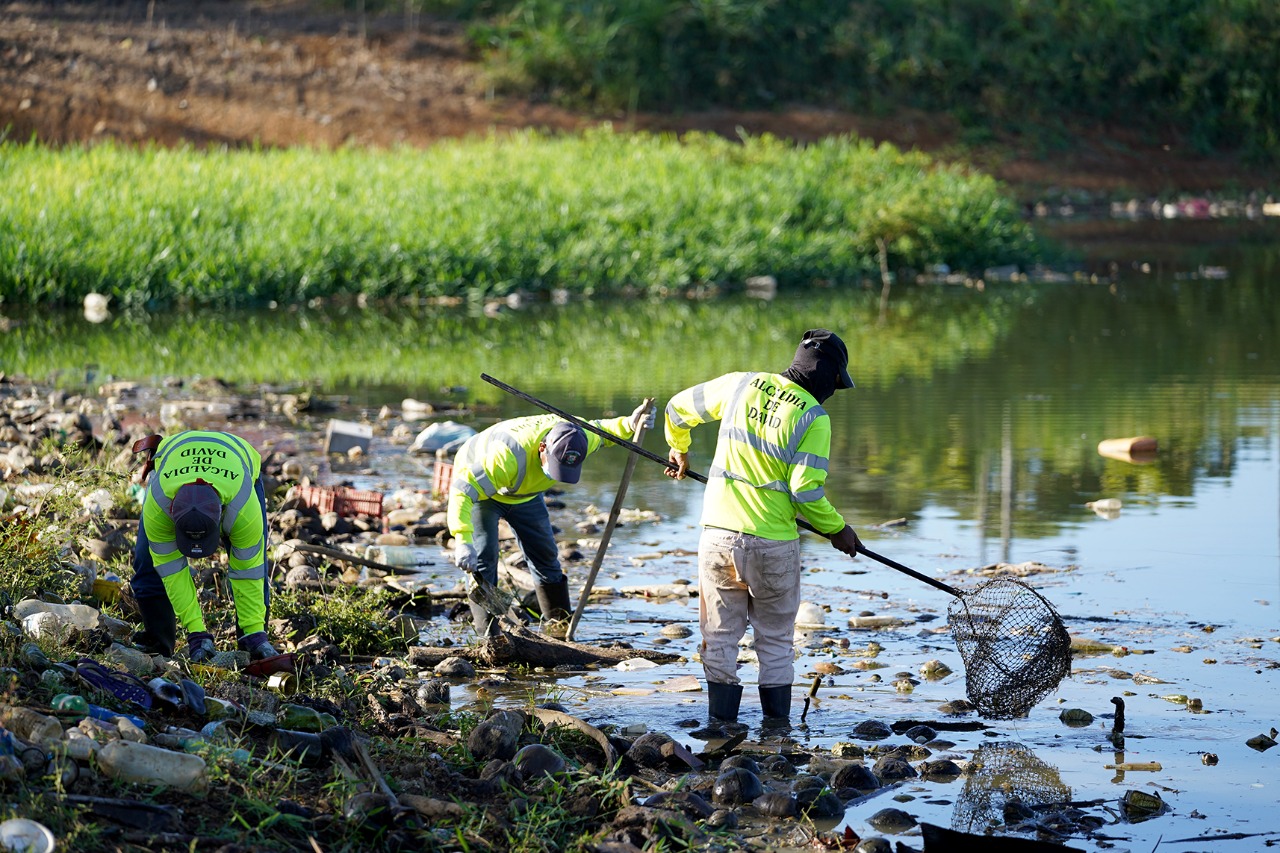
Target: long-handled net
x=1015 y=648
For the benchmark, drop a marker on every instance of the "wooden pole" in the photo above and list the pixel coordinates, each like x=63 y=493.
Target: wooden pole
x=637 y=438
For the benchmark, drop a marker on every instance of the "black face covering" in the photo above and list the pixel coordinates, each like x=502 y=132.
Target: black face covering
x=814 y=374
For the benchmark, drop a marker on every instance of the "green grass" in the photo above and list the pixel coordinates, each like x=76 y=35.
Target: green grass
x=594 y=214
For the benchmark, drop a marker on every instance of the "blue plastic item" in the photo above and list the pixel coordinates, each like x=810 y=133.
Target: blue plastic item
x=107 y=715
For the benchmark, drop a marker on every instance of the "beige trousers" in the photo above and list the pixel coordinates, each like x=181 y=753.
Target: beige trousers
x=743 y=579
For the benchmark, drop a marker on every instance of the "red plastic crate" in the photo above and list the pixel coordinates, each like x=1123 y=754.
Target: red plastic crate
x=341 y=499
x=443 y=477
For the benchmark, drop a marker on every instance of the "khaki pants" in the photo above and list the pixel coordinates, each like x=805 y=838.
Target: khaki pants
x=743 y=579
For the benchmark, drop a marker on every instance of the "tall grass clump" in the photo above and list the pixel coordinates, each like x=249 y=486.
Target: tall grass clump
x=1207 y=69
x=597 y=213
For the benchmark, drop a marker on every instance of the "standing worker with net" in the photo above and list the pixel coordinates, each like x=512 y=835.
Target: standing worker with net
x=770 y=464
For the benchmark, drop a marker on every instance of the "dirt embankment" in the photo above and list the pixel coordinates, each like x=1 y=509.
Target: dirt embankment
x=280 y=73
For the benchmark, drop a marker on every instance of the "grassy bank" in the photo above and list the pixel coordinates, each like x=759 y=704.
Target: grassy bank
x=593 y=214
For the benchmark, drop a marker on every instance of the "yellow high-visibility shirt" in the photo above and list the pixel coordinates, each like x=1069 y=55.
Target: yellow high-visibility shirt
x=502 y=464
x=232 y=466
x=771 y=455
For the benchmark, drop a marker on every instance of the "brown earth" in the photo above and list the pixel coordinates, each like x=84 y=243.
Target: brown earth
x=281 y=73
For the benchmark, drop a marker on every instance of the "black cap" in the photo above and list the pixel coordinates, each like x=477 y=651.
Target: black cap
x=196 y=511
x=829 y=346
x=566 y=448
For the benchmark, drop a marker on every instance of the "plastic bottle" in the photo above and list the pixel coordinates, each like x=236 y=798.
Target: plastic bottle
x=400 y=556
x=70 y=703
x=303 y=719
x=79 y=616
x=30 y=725
x=127 y=761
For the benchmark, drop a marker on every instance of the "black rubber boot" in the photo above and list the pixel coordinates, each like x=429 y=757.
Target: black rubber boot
x=553 y=600
x=159 y=631
x=486 y=624
x=775 y=702
x=553 y=603
x=723 y=701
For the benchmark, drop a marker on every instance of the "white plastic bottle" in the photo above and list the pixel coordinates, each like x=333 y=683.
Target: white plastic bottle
x=127 y=761
x=79 y=616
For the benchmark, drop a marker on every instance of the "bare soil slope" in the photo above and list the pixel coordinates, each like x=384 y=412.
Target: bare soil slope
x=280 y=73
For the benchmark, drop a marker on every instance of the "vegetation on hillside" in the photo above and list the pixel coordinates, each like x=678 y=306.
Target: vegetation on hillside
x=1208 y=70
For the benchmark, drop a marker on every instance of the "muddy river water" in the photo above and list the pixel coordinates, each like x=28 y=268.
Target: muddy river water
x=971 y=440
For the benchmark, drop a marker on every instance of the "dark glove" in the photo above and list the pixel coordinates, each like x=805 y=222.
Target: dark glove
x=257 y=645
x=200 y=647
x=847 y=541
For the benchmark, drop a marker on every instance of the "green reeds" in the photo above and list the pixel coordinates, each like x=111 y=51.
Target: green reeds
x=598 y=213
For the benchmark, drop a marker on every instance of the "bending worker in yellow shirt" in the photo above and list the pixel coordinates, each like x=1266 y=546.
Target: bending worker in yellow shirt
x=205 y=486
x=501 y=473
x=770 y=464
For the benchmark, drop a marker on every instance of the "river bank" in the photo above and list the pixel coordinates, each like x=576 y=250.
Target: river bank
x=882 y=745
x=290 y=74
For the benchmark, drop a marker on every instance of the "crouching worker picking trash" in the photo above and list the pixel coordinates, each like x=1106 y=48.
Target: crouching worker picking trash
x=501 y=473
x=205 y=489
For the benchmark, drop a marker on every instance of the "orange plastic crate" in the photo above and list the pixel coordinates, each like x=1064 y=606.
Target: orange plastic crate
x=341 y=499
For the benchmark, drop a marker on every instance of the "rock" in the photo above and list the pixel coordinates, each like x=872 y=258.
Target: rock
x=855 y=775
x=746 y=762
x=434 y=692
x=496 y=737
x=301 y=576
x=819 y=803
x=942 y=770
x=736 y=786
x=536 y=760
x=778 y=765
x=692 y=804
x=776 y=804
x=454 y=668
x=891 y=768
x=872 y=730
x=892 y=821
x=920 y=734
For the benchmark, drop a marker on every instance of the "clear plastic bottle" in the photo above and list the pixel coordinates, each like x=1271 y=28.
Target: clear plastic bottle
x=398 y=556
x=30 y=725
x=127 y=761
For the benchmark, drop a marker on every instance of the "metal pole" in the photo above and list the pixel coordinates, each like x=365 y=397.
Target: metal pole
x=637 y=438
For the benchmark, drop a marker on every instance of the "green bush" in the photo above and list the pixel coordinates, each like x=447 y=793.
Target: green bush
x=1209 y=69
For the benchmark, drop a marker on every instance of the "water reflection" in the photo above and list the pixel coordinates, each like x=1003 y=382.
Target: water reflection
x=1007 y=784
x=982 y=406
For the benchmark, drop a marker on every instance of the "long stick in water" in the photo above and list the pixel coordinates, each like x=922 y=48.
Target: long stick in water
x=694 y=475
x=608 y=528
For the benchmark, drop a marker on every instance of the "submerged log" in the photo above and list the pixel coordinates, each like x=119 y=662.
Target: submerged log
x=515 y=644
